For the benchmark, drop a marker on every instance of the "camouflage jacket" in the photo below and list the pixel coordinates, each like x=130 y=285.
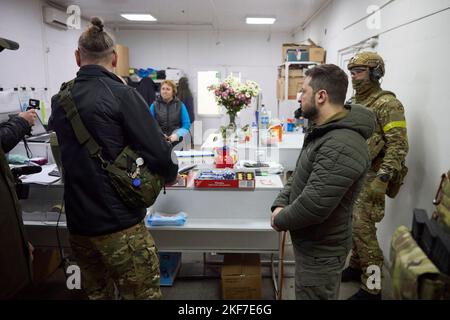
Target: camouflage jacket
x=388 y=146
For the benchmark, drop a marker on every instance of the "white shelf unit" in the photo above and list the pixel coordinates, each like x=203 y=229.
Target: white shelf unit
x=161 y=80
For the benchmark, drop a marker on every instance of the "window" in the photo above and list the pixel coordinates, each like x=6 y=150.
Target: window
x=236 y=74
x=206 y=101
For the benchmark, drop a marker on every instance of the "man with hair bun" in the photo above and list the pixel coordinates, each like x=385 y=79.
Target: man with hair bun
x=109 y=240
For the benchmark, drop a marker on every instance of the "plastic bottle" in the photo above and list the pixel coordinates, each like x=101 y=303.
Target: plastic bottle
x=264 y=118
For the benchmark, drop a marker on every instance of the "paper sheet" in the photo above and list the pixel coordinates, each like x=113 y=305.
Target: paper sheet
x=41 y=177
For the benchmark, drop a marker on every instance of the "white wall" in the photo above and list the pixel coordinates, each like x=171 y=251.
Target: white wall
x=248 y=52
x=45 y=57
x=416 y=57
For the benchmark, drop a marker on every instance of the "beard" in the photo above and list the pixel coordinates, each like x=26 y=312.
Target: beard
x=311 y=112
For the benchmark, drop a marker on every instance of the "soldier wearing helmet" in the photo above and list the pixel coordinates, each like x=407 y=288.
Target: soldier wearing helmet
x=388 y=147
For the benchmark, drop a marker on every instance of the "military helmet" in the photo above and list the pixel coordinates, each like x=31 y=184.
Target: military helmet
x=8 y=44
x=368 y=59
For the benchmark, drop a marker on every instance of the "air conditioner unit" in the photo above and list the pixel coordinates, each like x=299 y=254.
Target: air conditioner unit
x=55 y=17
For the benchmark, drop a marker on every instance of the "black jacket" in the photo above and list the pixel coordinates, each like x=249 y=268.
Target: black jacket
x=147 y=89
x=116 y=116
x=318 y=199
x=15 y=264
x=189 y=103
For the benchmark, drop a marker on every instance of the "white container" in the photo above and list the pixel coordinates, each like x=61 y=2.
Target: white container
x=173 y=74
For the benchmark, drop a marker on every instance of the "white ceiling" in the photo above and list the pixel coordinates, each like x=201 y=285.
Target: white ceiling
x=200 y=14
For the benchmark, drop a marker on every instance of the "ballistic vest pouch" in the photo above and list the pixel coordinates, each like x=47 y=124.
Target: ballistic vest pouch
x=136 y=185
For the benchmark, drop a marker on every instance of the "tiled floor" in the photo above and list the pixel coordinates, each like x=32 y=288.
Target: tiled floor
x=197 y=281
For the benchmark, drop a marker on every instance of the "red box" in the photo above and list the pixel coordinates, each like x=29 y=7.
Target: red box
x=225 y=184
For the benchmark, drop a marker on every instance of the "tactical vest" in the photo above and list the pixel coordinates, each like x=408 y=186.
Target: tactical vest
x=414 y=275
x=376 y=142
x=168 y=115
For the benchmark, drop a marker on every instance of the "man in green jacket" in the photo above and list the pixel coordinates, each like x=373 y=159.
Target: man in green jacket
x=316 y=202
x=15 y=251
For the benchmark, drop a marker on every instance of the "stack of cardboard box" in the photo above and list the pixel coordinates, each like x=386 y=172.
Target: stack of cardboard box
x=241 y=276
x=295 y=82
x=293 y=52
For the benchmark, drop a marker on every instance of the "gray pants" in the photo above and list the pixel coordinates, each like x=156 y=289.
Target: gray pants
x=317 y=278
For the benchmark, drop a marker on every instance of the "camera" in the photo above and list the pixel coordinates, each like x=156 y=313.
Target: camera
x=33 y=104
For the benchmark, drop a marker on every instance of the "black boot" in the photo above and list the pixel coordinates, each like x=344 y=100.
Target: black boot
x=364 y=295
x=351 y=274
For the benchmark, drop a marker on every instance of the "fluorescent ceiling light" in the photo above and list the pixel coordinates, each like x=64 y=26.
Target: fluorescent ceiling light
x=250 y=20
x=138 y=16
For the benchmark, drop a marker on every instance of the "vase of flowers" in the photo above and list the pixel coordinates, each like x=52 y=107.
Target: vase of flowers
x=234 y=96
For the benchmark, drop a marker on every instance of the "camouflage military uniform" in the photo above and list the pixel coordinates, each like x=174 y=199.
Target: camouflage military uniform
x=414 y=275
x=126 y=259
x=388 y=148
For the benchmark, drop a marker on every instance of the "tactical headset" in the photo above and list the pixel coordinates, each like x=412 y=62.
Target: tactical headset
x=376 y=73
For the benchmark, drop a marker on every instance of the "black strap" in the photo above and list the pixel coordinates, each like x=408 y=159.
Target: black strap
x=82 y=134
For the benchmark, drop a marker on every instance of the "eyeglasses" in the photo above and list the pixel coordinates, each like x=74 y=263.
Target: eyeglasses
x=355 y=71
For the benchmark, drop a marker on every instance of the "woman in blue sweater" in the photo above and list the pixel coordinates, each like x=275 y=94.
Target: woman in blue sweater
x=170 y=113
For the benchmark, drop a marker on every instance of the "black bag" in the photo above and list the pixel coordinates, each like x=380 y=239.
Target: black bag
x=137 y=186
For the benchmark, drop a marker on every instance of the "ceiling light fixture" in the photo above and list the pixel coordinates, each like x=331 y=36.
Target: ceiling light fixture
x=138 y=16
x=260 y=20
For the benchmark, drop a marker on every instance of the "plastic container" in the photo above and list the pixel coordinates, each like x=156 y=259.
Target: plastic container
x=264 y=118
x=290 y=127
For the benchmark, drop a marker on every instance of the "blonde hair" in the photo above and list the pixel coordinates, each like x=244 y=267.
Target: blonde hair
x=171 y=84
x=95 y=43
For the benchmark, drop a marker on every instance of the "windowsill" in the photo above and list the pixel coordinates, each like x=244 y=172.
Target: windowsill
x=210 y=115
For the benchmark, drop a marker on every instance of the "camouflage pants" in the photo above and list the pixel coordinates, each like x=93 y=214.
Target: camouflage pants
x=127 y=259
x=368 y=210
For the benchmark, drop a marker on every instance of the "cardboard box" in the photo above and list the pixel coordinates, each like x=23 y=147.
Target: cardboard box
x=317 y=54
x=173 y=74
x=183 y=180
x=123 y=67
x=291 y=46
x=294 y=86
x=292 y=72
x=241 y=276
